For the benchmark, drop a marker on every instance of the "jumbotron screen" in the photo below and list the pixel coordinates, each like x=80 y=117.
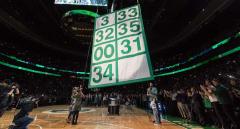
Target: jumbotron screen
x=83 y=2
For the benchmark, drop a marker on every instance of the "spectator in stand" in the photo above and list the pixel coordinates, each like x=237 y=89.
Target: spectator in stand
x=222 y=94
x=185 y=105
x=208 y=110
x=207 y=88
x=234 y=89
x=173 y=104
x=235 y=95
x=98 y=99
x=105 y=100
x=180 y=105
x=189 y=103
x=197 y=106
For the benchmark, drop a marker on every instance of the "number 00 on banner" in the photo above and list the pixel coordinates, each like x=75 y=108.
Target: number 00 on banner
x=119 y=52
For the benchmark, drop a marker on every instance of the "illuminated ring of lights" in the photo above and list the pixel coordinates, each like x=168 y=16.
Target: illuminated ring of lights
x=81 y=12
x=225 y=41
x=28 y=69
x=234 y=50
x=39 y=65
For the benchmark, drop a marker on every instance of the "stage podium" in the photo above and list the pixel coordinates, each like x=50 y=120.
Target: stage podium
x=113 y=107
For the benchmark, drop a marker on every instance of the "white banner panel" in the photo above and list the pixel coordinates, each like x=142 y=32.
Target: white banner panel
x=133 y=68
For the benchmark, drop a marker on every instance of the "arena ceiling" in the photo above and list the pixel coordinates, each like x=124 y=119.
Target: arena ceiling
x=172 y=26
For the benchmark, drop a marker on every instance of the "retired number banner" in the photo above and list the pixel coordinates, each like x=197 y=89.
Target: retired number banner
x=119 y=52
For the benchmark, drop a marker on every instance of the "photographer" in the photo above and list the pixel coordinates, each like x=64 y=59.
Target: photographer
x=21 y=120
x=77 y=104
x=14 y=96
x=7 y=93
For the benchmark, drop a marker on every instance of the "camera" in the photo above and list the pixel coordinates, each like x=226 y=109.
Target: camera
x=14 y=85
x=27 y=103
x=22 y=119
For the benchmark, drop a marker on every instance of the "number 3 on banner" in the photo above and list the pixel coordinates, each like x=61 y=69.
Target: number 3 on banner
x=105 y=21
x=107 y=73
x=98 y=71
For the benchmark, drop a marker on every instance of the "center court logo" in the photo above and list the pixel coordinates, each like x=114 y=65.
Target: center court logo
x=66 y=111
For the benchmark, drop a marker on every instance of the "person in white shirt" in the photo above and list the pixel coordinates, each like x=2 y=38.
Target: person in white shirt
x=153 y=105
x=105 y=100
x=207 y=88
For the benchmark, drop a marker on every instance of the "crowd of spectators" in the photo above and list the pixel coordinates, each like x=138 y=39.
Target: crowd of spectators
x=208 y=95
x=208 y=103
x=99 y=99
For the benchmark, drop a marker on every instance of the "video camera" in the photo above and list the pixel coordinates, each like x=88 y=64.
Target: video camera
x=27 y=103
x=14 y=86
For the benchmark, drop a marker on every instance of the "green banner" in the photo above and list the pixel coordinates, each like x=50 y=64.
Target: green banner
x=119 y=52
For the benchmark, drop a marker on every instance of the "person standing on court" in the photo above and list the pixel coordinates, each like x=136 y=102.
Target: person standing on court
x=151 y=94
x=156 y=113
x=74 y=91
x=77 y=104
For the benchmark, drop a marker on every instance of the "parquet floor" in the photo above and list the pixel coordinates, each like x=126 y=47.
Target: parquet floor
x=97 y=118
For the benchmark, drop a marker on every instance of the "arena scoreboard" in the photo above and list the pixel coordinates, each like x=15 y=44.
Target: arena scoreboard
x=83 y=2
x=119 y=51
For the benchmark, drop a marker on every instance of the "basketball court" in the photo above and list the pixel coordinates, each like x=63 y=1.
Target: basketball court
x=54 y=117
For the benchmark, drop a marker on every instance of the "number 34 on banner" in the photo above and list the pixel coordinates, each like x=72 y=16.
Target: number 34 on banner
x=119 y=52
